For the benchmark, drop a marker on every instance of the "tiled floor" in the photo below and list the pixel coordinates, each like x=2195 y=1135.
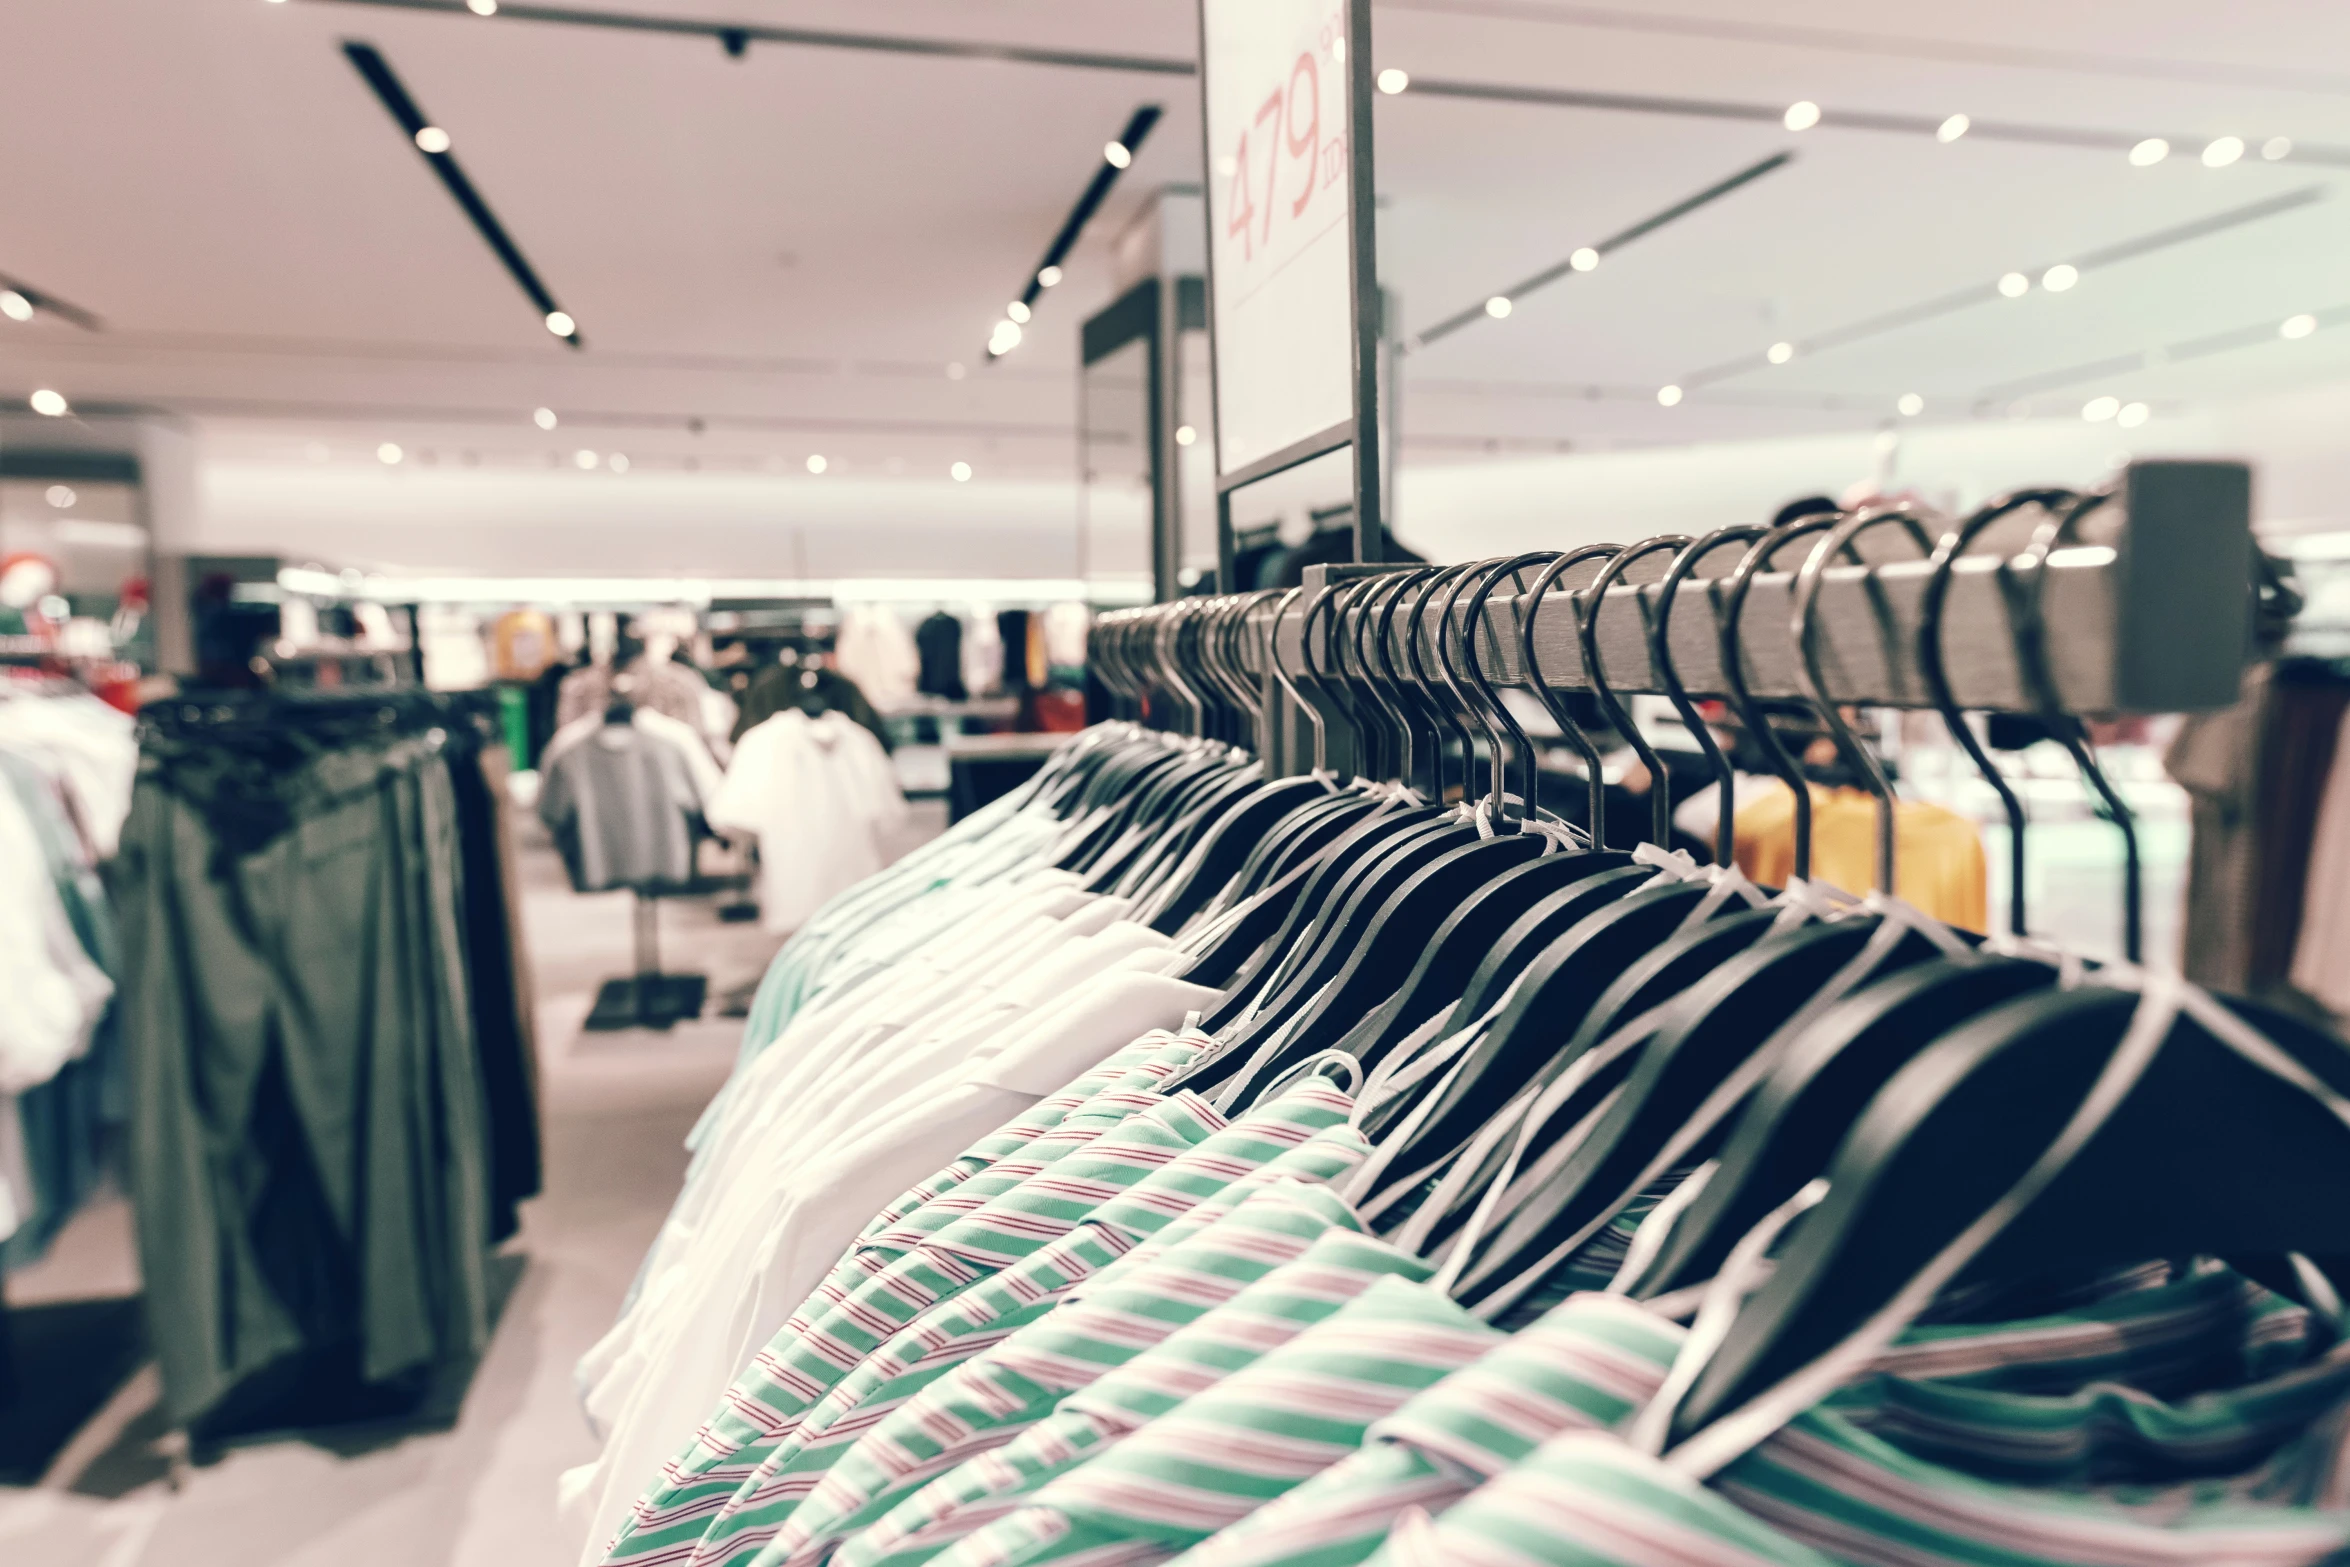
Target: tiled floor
x=478 y=1492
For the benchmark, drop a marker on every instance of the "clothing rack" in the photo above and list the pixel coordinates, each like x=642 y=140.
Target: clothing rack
x=2147 y=608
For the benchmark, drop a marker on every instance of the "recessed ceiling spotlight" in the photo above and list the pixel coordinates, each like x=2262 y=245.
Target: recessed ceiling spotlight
x=544 y=418
x=1498 y=307
x=15 y=306
x=583 y=460
x=1117 y=155
x=47 y=402
x=2014 y=285
x=1910 y=405
x=1004 y=338
x=816 y=462
x=482 y=7
x=2099 y=409
x=1779 y=353
x=59 y=495
x=1801 y=116
x=389 y=454
x=1047 y=277
x=2133 y=415
x=1017 y=311
x=2223 y=151
x=960 y=473
x=1393 y=81
x=1669 y=396
x=1584 y=260
x=2060 y=277
x=2149 y=152
x=2297 y=326
x=1953 y=128
x=2277 y=147
x=560 y=324
x=432 y=138
x=617 y=462
x=1185 y=435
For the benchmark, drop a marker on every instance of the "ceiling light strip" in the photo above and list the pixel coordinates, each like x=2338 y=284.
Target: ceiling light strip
x=1640 y=230
x=1925 y=125
x=2193 y=348
x=377 y=72
x=1097 y=190
x=43 y=300
x=733 y=35
x=1990 y=293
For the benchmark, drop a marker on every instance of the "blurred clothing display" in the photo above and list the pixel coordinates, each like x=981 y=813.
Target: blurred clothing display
x=809 y=688
x=939 y=640
x=66 y=766
x=1065 y=628
x=983 y=656
x=2321 y=952
x=2257 y=776
x=1938 y=862
x=626 y=800
x=330 y=1112
x=522 y=644
x=822 y=797
x=877 y=651
x=1012 y=632
x=660 y=684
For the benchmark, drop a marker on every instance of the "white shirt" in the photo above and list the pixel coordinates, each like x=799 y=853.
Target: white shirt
x=822 y=797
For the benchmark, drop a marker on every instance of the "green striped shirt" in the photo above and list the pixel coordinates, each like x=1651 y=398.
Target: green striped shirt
x=1338 y=1267
x=1024 y=1292
x=938 y=1251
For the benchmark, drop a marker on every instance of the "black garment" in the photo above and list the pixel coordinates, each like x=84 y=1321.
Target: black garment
x=503 y=1036
x=781 y=686
x=1012 y=626
x=939 y=641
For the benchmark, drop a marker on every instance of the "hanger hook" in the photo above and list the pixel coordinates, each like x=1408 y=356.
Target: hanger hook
x=1660 y=655
x=1733 y=655
x=1287 y=601
x=1332 y=682
x=1448 y=724
x=1411 y=699
x=1588 y=605
x=1935 y=671
x=1804 y=626
x=1472 y=619
x=2031 y=637
x=1377 y=679
x=1595 y=770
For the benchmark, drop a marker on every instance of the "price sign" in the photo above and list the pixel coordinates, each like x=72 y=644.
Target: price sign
x=1276 y=84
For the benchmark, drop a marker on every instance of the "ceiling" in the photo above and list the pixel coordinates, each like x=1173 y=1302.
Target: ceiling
x=802 y=251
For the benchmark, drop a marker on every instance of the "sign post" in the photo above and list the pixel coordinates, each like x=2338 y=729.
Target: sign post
x=1293 y=313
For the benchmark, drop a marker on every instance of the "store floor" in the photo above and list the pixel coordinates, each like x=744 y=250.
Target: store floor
x=478 y=1491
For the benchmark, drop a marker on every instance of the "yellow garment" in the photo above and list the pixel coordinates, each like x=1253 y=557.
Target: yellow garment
x=1938 y=864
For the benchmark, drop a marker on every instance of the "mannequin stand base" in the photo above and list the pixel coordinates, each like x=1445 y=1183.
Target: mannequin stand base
x=647 y=1001
x=648 y=998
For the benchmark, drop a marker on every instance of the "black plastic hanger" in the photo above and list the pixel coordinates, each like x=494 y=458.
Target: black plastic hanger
x=2191 y=1149
x=1715 y=1037
x=2024 y=577
x=1789 y=1131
